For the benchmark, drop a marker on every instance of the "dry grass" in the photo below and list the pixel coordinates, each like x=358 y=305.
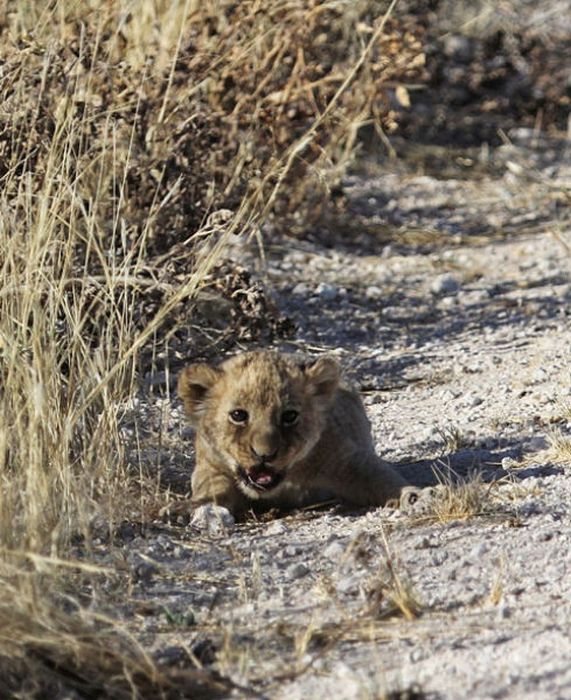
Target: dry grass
x=461 y=500
x=392 y=593
x=50 y=646
x=559 y=450
x=453 y=498
x=124 y=130
x=452 y=438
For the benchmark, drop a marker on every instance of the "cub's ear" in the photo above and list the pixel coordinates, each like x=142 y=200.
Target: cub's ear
x=194 y=383
x=323 y=376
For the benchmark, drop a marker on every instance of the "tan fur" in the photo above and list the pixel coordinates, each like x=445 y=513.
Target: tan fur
x=327 y=448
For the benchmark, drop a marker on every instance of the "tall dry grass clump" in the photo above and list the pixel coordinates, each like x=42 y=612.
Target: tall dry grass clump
x=124 y=128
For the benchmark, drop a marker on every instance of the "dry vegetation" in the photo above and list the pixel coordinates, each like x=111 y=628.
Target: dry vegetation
x=134 y=138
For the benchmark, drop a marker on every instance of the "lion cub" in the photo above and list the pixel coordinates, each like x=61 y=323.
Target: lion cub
x=271 y=429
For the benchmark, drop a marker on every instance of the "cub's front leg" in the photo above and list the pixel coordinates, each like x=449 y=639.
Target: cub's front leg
x=215 y=502
x=211 y=485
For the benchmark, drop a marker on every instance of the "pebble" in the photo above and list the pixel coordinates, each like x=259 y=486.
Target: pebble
x=373 y=292
x=348 y=584
x=300 y=289
x=276 y=528
x=213 y=519
x=296 y=571
x=445 y=284
x=179 y=552
x=504 y=611
x=171 y=656
x=298 y=257
x=509 y=463
x=144 y=571
x=326 y=291
x=540 y=375
x=163 y=542
x=459 y=47
x=479 y=550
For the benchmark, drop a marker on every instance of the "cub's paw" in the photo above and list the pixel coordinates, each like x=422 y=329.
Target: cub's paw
x=418 y=501
x=212 y=519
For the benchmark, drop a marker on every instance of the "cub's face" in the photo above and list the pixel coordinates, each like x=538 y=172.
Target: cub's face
x=259 y=413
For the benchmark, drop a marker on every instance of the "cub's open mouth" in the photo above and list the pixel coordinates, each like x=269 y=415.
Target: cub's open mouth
x=261 y=478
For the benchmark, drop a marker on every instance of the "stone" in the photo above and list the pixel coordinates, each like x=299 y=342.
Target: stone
x=295 y=571
x=326 y=291
x=213 y=519
x=445 y=284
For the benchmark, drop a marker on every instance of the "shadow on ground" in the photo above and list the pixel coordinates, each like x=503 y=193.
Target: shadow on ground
x=466 y=463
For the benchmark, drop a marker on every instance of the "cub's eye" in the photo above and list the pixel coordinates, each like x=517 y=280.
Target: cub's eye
x=239 y=416
x=290 y=417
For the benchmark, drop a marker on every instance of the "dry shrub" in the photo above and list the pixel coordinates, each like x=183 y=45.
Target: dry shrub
x=453 y=498
x=558 y=450
x=52 y=649
x=170 y=136
x=126 y=132
x=460 y=500
x=172 y=111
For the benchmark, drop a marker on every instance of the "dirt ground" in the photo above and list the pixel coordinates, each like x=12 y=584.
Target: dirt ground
x=443 y=286
x=458 y=336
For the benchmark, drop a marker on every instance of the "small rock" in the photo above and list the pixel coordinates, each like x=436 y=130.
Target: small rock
x=445 y=284
x=164 y=542
x=144 y=571
x=300 y=289
x=213 y=519
x=126 y=531
x=439 y=557
x=326 y=291
x=205 y=651
x=179 y=552
x=296 y=571
x=509 y=463
x=504 y=611
x=189 y=618
x=348 y=584
x=276 y=528
x=479 y=550
x=298 y=257
x=449 y=302
x=373 y=292
x=99 y=527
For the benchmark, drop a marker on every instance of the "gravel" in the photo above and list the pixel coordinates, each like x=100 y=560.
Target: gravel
x=461 y=349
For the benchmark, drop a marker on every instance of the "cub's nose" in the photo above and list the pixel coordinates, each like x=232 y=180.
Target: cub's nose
x=263 y=453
